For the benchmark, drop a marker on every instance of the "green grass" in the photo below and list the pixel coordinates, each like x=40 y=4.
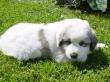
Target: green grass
x=97 y=67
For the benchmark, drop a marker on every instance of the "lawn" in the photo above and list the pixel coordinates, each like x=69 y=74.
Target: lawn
x=97 y=67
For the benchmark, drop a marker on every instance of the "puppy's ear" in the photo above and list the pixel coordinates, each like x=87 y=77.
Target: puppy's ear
x=92 y=36
x=93 y=39
x=59 y=36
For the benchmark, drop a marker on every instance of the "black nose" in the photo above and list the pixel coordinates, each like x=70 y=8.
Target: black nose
x=74 y=55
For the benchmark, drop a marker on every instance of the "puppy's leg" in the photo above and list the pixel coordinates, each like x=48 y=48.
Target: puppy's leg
x=100 y=46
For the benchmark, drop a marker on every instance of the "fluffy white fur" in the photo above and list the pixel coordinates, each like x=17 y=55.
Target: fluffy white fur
x=22 y=41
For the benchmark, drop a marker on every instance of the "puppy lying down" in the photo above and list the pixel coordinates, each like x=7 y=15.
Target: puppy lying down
x=63 y=41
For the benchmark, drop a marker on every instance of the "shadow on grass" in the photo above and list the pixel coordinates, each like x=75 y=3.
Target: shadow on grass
x=105 y=15
x=85 y=9
x=96 y=60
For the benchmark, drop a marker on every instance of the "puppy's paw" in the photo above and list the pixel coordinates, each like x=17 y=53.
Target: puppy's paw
x=61 y=59
x=100 y=46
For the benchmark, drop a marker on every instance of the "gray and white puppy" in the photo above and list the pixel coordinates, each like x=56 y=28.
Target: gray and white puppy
x=63 y=41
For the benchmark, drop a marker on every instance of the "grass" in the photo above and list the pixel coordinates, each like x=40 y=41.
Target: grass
x=97 y=67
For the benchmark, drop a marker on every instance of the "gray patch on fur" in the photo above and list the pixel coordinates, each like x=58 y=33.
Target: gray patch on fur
x=93 y=40
x=45 y=51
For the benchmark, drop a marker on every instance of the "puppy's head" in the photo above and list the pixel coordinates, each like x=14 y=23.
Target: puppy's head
x=76 y=38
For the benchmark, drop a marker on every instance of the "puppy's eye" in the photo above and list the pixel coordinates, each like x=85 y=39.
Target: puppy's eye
x=67 y=42
x=82 y=43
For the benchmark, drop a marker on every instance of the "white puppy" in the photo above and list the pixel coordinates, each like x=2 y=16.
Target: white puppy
x=66 y=40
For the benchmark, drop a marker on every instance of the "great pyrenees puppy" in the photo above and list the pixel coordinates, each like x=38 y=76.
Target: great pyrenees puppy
x=64 y=41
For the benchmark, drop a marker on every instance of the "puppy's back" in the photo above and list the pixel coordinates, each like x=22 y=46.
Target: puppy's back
x=21 y=41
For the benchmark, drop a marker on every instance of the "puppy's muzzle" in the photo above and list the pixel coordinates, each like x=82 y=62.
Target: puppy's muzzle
x=74 y=55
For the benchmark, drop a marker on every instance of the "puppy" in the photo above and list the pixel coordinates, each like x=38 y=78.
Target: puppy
x=64 y=41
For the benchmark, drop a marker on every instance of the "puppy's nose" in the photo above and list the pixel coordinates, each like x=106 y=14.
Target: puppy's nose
x=74 y=55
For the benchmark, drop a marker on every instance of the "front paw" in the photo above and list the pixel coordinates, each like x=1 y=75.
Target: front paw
x=61 y=59
x=100 y=46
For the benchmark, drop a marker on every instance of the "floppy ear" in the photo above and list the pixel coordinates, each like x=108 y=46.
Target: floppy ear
x=93 y=39
x=59 y=36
